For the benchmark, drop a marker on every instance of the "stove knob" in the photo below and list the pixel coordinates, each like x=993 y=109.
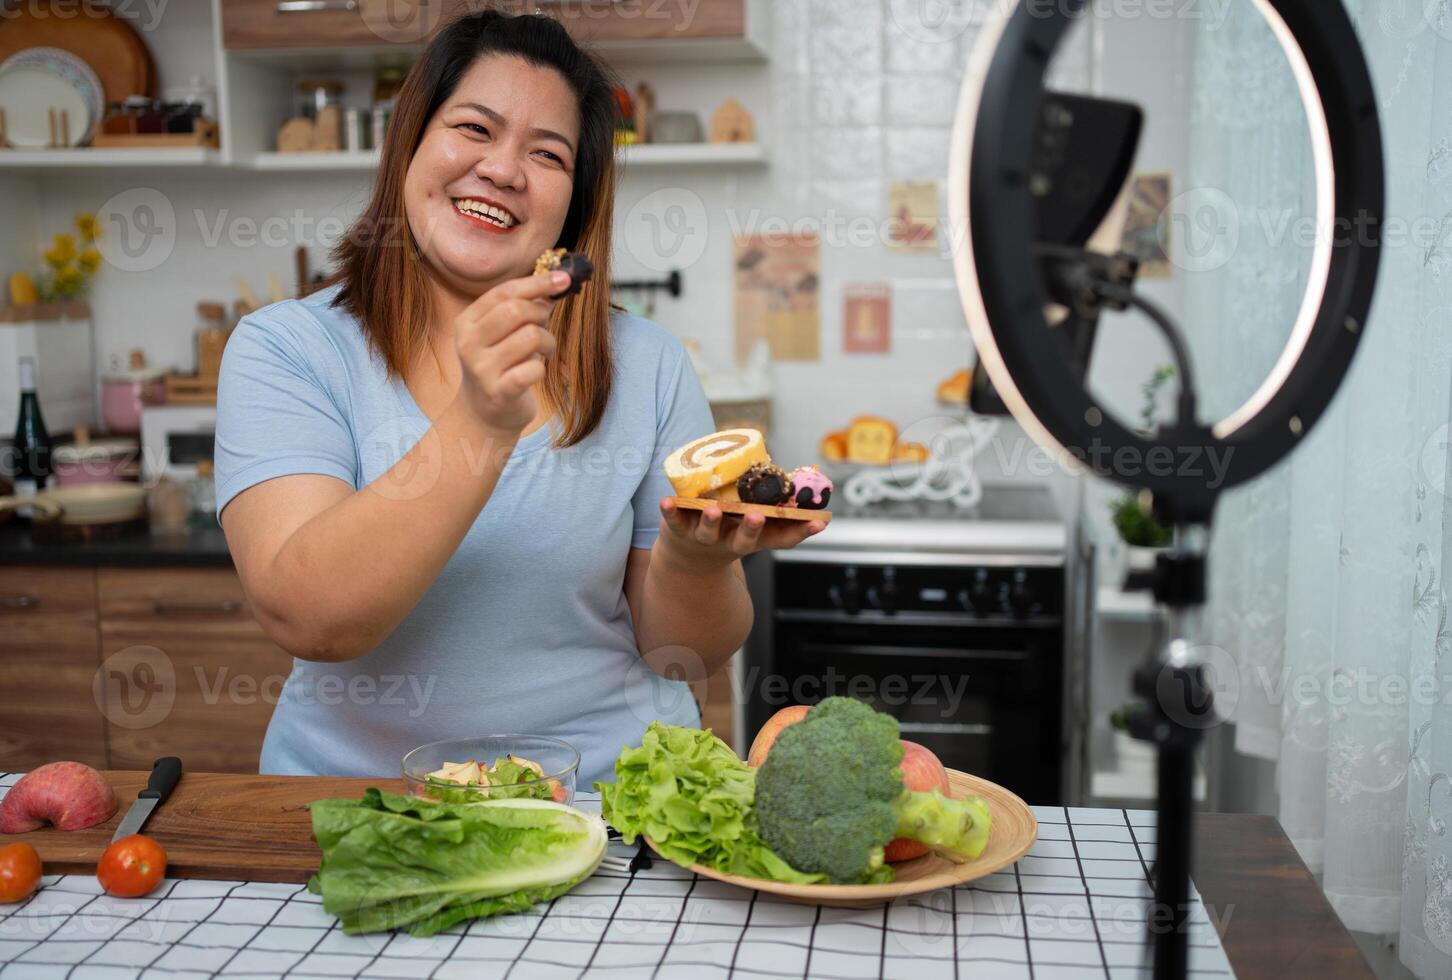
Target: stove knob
x=1021 y=596
x=981 y=597
x=884 y=597
x=847 y=596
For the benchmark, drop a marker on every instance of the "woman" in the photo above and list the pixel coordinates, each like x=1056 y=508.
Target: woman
x=442 y=487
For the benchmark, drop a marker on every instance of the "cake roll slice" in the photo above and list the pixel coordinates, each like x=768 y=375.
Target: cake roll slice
x=714 y=461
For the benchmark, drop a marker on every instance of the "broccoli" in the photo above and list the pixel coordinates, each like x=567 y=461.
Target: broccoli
x=830 y=796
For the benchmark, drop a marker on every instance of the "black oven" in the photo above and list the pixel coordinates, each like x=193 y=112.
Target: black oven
x=968 y=655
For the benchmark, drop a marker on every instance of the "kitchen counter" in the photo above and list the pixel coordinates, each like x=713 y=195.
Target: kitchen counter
x=195 y=547
x=1073 y=908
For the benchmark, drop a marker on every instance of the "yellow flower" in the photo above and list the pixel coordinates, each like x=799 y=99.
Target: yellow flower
x=65 y=246
x=54 y=258
x=86 y=225
x=68 y=281
x=89 y=259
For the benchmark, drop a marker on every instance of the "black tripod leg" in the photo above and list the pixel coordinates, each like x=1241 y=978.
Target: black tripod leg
x=1171 y=910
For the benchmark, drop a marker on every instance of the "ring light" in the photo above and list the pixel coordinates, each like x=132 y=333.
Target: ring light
x=993 y=214
x=1012 y=143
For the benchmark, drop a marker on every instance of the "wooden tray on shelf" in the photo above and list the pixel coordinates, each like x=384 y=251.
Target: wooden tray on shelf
x=780 y=513
x=190 y=389
x=204 y=135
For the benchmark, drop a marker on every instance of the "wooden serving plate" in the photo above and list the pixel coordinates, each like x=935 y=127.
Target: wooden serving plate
x=1015 y=828
x=732 y=507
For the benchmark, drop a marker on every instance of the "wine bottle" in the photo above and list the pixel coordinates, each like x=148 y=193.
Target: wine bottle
x=32 y=443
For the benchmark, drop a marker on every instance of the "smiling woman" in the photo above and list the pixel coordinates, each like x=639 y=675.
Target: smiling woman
x=445 y=468
x=521 y=86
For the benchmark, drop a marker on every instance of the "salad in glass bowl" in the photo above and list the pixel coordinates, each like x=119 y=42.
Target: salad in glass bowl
x=493 y=767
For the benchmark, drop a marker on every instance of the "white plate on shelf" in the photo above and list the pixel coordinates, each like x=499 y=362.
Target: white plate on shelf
x=37 y=80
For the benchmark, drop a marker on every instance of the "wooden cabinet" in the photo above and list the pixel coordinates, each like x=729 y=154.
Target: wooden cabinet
x=213 y=675
x=322 y=24
x=640 y=20
x=274 y=24
x=115 y=667
x=48 y=663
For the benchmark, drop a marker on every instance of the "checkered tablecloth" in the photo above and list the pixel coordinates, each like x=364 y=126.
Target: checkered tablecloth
x=1075 y=907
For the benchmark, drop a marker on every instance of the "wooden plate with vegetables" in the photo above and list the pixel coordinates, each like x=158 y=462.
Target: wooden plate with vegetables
x=1014 y=831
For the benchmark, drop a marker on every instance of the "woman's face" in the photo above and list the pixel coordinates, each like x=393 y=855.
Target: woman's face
x=489 y=187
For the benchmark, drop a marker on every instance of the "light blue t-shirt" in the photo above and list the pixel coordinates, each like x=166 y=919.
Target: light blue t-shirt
x=527 y=628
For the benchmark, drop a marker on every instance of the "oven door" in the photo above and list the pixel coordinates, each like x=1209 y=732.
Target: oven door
x=984 y=697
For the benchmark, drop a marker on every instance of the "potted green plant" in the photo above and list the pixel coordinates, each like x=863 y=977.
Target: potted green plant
x=1130 y=754
x=1142 y=535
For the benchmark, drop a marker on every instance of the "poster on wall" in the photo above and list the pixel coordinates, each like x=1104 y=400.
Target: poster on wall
x=912 y=209
x=1147 y=227
x=777 y=285
x=867 y=318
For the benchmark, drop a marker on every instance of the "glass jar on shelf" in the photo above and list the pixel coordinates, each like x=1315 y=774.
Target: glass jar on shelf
x=203 y=494
x=316 y=94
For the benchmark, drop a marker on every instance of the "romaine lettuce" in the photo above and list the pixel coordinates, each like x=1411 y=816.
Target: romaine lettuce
x=399 y=862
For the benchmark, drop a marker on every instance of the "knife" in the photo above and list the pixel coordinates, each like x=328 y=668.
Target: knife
x=165 y=773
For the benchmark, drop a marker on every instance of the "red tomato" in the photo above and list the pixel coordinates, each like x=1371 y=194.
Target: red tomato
x=19 y=872
x=132 y=866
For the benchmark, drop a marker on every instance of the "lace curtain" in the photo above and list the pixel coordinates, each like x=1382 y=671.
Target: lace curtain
x=1328 y=584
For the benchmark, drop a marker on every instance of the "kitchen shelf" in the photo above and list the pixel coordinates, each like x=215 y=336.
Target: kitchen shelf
x=682 y=51
x=322 y=161
x=647 y=51
x=86 y=158
x=1133 y=776
x=695 y=155
x=645 y=156
x=1136 y=607
x=1137 y=784
x=641 y=156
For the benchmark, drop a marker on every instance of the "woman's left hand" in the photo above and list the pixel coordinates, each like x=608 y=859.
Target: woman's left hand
x=707 y=539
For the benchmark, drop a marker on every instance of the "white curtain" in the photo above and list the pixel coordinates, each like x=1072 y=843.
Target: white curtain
x=1328 y=582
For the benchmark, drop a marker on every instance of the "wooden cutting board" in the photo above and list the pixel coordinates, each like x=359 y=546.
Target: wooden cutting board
x=214 y=825
x=109 y=44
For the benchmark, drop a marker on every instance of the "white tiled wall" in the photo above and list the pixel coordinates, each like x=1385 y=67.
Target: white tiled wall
x=856 y=93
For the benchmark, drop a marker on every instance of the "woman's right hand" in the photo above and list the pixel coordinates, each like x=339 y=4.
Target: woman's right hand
x=503 y=339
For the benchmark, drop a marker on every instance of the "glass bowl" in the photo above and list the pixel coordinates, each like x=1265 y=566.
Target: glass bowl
x=556 y=757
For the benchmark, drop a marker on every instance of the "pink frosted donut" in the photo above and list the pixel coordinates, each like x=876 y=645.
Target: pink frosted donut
x=813 y=488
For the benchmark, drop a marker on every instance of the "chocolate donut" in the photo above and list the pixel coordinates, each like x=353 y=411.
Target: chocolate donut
x=764 y=484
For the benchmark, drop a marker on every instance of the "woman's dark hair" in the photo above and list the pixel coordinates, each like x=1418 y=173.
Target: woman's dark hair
x=384 y=283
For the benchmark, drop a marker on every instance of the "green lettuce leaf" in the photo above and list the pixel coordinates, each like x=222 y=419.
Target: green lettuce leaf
x=399 y=862
x=693 y=797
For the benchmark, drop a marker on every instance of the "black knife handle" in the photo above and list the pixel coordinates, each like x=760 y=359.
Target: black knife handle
x=165 y=774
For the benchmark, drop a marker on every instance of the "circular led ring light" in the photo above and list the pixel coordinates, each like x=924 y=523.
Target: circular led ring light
x=992 y=217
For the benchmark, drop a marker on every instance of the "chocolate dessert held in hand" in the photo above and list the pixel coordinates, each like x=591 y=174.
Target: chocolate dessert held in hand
x=811 y=488
x=732 y=468
x=579 y=268
x=764 y=484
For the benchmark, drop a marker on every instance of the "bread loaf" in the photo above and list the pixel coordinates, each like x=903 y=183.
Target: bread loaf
x=870 y=440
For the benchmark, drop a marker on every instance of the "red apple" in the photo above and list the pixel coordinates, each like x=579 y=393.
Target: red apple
x=766 y=738
x=921 y=771
x=71 y=795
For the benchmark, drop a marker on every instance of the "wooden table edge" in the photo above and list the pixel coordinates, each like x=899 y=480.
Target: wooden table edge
x=1273 y=918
